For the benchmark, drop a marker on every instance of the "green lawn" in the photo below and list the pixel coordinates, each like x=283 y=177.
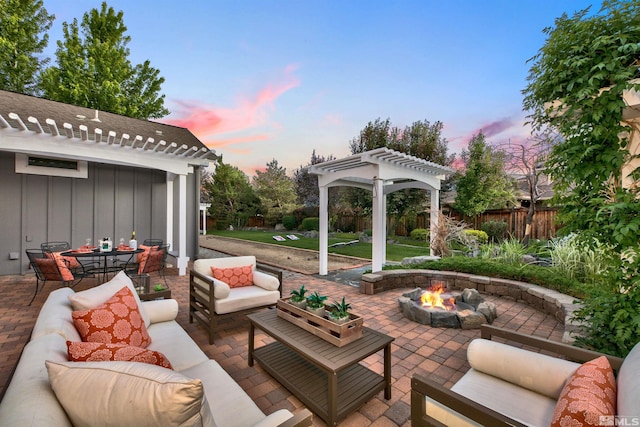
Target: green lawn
x=361 y=250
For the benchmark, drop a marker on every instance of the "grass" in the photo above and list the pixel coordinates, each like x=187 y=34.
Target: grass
x=395 y=252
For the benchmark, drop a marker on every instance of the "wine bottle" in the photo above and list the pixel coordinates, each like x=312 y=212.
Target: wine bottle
x=133 y=243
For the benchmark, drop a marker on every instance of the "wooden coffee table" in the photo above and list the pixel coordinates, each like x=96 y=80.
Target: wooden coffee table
x=326 y=378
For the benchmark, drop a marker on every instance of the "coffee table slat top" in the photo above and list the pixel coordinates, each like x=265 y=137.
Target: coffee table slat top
x=323 y=353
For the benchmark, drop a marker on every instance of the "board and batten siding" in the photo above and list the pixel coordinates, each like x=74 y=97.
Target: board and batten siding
x=111 y=202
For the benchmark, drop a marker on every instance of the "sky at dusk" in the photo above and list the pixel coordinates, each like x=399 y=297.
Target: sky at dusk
x=262 y=80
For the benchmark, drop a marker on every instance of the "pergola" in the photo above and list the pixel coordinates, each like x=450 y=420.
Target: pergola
x=381 y=171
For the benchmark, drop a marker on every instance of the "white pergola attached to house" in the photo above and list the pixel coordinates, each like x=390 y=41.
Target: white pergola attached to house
x=381 y=171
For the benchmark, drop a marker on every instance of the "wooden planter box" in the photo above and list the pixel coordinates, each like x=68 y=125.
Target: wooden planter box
x=338 y=335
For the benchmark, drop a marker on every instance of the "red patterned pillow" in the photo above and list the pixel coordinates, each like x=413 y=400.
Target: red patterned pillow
x=102 y=352
x=116 y=321
x=235 y=277
x=587 y=395
x=63 y=265
x=49 y=268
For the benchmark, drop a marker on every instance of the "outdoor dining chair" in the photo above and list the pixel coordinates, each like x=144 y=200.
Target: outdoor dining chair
x=152 y=260
x=46 y=269
x=78 y=269
x=152 y=242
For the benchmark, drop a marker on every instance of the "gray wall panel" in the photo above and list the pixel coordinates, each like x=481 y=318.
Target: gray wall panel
x=10 y=213
x=61 y=213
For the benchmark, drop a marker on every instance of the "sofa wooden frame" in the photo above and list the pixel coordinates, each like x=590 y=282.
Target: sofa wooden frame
x=204 y=310
x=422 y=386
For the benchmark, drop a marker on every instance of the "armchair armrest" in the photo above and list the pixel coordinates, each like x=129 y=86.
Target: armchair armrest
x=273 y=271
x=421 y=387
x=161 y=310
x=214 y=288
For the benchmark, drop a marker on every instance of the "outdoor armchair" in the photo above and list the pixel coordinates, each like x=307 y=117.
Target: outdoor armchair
x=46 y=269
x=511 y=386
x=255 y=286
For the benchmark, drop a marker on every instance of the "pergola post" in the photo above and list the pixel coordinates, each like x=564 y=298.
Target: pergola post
x=434 y=213
x=379 y=225
x=324 y=230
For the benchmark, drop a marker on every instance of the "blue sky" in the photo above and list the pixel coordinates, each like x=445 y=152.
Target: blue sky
x=258 y=80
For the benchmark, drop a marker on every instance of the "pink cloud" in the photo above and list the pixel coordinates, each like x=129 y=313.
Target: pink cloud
x=217 y=143
x=248 y=113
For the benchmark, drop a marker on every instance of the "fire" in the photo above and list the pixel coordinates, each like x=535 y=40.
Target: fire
x=432 y=298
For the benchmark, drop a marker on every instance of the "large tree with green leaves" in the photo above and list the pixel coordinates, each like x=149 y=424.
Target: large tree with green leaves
x=231 y=196
x=421 y=139
x=306 y=185
x=23 y=26
x=484 y=184
x=275 y=190
x=93 y=69
x=576 y=84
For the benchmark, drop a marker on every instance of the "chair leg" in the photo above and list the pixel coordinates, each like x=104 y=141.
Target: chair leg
x=36 y=291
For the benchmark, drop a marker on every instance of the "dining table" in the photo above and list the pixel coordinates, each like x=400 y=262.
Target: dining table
x=120 y=257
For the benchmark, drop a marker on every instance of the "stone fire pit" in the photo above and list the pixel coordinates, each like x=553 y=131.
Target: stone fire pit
x=470 y=311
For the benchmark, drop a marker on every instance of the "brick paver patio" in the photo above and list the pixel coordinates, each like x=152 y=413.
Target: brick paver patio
x=438 y=352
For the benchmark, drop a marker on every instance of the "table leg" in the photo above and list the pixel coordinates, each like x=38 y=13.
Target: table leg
x=387 y=371
x=251 y=343
x=332 y=418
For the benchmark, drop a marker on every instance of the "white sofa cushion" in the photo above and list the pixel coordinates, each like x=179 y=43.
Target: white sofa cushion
x=29 y=400
x=171 y=340
x=629 y=384
x=244 y=298
x=537 y=372
x=55 y=316
x=230 y=405
x=516 y=402
x=163 y=310
x=265 y=281
x=93 y=297
x=128 y=394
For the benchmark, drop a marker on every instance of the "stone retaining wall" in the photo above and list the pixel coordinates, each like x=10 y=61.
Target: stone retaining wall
x=552 y=302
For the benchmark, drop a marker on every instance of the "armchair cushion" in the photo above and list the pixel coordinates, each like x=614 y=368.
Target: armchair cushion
x=235 y=277
x=534 y=371
x=245 y=298
x=265 y=281
x=589 y=394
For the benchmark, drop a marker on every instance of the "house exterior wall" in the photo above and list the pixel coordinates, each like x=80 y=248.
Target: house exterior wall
x=112 y=201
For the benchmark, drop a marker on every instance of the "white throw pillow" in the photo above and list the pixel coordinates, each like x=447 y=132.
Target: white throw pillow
x=122 y=394
x=93 y=297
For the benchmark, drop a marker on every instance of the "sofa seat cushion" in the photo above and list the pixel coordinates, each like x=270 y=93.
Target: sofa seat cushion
x=245 y=298
x=55 y=316
x=117 y=321
x=229 y=404
x=629 y=384
x=128 y=394
x=521 y=404
x=171 y=340
x=29 y=400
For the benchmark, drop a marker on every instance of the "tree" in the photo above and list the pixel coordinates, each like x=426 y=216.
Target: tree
x=306 y=185
x=231 y=196
x=93 y=69
x=421 y=139
x=576 y=84
x=275 y=190
x=22 y=23
x=484 y=183
x=527 y=161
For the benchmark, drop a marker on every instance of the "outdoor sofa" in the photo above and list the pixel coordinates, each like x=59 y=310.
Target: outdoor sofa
x=512 y=386
x=197 y=392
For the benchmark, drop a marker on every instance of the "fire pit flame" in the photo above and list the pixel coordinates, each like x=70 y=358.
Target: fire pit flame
x=432 y=299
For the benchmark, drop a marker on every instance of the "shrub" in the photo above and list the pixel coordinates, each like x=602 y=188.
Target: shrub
x=368 y=232
x=421 y=234
x=309 y=224
x=480 y=236
x=222 y=224
x=496 y=230
x=289 y=222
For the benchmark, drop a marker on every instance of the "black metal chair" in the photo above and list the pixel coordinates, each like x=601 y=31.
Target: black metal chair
x=153 y=242
x=156 y=260
x=79 y=269
x=46 y=269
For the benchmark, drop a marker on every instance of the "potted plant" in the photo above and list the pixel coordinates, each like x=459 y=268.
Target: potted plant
x=158 y=287
x=315 y=304
x=298 y=297
x=339 y=311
